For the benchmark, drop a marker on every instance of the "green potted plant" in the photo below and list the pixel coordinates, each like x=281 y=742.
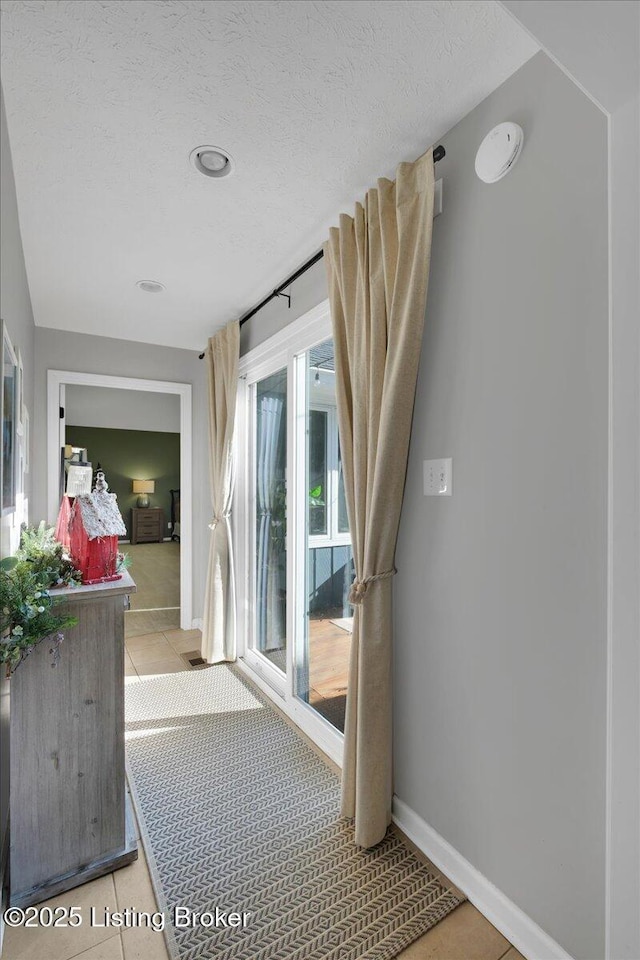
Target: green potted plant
x=47 y=557
x=26 y=607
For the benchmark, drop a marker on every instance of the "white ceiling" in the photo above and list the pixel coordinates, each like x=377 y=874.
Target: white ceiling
x=314 y=99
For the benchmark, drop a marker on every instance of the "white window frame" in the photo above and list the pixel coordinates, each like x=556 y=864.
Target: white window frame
x=285 y=349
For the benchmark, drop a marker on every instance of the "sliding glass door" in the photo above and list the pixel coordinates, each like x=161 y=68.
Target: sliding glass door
x=323 y=637
x=295 y=549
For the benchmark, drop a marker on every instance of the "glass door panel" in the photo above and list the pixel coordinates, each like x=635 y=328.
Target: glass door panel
x=270 y=565
x=324 y=626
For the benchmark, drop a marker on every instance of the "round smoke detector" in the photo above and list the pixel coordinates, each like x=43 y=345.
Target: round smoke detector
x=212 y=161
x=150 y=286
x=499 y=151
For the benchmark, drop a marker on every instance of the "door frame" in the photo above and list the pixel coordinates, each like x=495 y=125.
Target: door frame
x=59 y=378
x=279 y=351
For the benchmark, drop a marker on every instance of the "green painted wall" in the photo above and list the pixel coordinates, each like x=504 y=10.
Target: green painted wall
x=126 y=455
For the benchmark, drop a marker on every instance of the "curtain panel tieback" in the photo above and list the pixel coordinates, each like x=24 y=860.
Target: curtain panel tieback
x=219 y=518
x=359 y=587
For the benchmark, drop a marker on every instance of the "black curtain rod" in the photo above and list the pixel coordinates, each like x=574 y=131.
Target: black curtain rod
x=438 y=153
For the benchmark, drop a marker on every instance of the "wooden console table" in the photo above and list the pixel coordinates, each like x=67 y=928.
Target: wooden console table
x=70 y=813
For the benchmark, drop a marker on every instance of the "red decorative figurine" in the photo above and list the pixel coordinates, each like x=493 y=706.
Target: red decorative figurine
x=94 y=526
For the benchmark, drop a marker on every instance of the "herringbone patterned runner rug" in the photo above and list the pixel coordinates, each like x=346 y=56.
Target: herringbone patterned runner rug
x=239 y=813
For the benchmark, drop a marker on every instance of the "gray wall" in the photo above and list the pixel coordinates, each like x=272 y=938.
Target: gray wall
x=15 y=309
x=624 y=598
x=307 y=292
x=598 y=42
x=59 y=350
x=128 y=455
x=500 y=602
x=121 y=409
x=500 y=605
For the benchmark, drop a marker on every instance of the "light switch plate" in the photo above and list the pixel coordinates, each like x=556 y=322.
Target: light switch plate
x=438 y=477
x=437 y=198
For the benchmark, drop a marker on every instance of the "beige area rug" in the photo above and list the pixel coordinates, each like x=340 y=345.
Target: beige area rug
x=239 y=813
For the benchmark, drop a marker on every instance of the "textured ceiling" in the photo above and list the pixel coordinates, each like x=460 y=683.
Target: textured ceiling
x=314 y=100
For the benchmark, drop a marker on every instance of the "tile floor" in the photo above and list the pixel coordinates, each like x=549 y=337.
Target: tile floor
x=159 y=652
x=463 y=935
x=128 y=887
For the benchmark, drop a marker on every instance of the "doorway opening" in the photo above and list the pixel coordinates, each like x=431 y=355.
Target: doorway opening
x=158 y=520
x=134 y=438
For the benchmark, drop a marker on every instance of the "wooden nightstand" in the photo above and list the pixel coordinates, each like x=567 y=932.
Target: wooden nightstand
x=147 y=524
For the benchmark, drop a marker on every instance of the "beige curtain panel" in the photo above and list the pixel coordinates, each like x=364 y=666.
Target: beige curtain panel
x=219 y=622
x=378 y=269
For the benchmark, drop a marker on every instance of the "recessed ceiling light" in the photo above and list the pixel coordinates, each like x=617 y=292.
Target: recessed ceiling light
x=212 y=161
x=150 y=286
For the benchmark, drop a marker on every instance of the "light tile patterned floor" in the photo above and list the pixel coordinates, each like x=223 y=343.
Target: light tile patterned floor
x=161 y=652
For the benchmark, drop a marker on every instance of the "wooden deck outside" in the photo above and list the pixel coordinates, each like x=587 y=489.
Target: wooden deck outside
x=329 y=648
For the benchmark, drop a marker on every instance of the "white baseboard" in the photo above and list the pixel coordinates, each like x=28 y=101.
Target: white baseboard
x=196 y=624
x=509 y=919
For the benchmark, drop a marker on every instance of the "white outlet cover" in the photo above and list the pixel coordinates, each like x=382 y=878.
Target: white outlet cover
x=438 y=477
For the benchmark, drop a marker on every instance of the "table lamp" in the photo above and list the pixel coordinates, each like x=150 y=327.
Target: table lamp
x=144 y=488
